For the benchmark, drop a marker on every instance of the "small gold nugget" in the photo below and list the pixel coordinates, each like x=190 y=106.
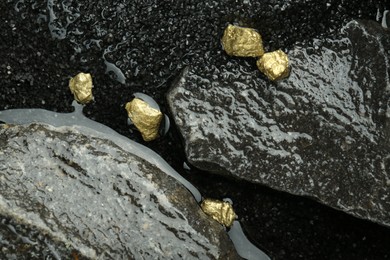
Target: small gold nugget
x=5 y=126
x=242 y=42
x=274 y=65
x=81 y=87
x=219 y=210
x=145 y=118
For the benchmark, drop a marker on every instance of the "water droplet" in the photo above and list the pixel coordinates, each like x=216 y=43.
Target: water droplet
x=116 y=72
x=384 y=19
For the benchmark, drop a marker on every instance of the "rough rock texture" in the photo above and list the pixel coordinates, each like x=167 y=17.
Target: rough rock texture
x=89 y=195
x=323 y=132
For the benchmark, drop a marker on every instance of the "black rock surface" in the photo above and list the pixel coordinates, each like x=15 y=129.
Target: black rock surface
x=36 y=66
x=323 y=132
x=88 y=195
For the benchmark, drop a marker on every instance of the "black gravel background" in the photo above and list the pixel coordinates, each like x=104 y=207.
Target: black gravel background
x=35 y=68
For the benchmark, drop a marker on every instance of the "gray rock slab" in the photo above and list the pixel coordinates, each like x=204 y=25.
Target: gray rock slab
x=87 y=194
x=323 y=132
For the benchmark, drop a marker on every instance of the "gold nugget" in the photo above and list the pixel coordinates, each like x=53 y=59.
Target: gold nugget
x=81 y=87
x=274 y=65
x=5 y=126
x=242 y=42
x=145 y=118
x=219 y=210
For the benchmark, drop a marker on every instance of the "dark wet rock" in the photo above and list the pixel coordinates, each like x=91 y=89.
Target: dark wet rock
x=323 y=132
x=69 y=193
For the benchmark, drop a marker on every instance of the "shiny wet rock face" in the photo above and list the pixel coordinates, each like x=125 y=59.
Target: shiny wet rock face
x=322 y=132
x=99 y=200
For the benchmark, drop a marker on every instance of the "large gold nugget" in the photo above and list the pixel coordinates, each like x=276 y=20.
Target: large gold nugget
x=274 y=65
x=145 y=118
x=219 y=210
x=81 y=87
x=242 y=42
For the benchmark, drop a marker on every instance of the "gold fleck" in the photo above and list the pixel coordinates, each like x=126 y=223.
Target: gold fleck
x=220 y=211
x=146 y=226
x=81 y=87
x=274 y=65
x=145 y=118
x=243 y=42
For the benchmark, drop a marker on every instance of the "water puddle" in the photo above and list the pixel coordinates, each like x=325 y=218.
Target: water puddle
x=111 y=69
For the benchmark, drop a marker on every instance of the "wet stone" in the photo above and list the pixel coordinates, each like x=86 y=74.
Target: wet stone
x=323 y=132
x=66 y=193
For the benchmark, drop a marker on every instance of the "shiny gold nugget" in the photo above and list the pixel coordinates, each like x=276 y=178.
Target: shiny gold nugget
x=242 y=42
x=81 y=87
x=274 y=65
x=145 y=118
x=219 y=210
